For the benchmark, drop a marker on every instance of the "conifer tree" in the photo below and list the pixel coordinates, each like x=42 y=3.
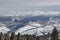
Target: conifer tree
x=6 y=37
x=37 y=38
x=13 y=36
x=18 y=36
x=54 y=34
x=1 y=36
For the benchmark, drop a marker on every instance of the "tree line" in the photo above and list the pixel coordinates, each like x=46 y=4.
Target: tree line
x=53 y=36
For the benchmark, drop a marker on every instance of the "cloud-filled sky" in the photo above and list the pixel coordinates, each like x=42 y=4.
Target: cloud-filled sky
x=8 y=5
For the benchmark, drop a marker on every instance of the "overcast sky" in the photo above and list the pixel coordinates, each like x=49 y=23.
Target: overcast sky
x=8 y=5
x=29 y=2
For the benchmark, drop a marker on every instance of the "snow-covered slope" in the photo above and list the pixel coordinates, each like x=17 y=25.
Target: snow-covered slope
x=3 y=28
x=36 y=28
x=30 y=28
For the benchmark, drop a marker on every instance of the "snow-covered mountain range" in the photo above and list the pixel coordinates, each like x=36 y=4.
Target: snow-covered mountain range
x=32 y=23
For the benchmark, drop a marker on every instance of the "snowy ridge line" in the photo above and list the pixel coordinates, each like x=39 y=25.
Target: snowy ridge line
x=32 y=28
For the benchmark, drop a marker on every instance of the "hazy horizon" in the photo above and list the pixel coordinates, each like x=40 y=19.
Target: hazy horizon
x=9 y=6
